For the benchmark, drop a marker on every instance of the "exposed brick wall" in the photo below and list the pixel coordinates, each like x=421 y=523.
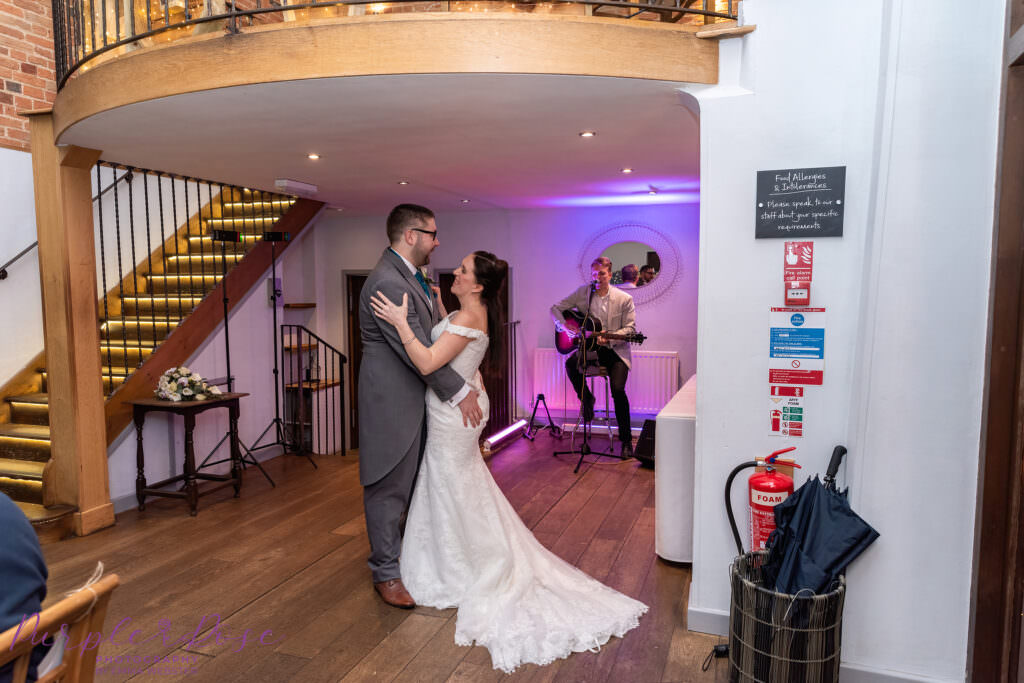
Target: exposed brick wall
x=26 y=66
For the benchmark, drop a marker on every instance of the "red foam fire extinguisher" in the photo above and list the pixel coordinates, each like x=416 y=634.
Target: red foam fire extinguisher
x=766 y=490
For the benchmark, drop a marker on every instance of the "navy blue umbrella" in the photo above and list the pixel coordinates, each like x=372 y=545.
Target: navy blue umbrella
x=816 y=536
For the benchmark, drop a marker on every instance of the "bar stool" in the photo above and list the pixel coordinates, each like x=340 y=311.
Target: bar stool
x=606 y=416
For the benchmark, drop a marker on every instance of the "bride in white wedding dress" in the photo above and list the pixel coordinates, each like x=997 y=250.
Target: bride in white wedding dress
x=464 y=544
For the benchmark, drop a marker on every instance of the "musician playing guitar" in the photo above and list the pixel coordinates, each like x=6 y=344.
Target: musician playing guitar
x=614 y=310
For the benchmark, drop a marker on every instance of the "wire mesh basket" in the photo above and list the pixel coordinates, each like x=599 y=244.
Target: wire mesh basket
x=781 y=638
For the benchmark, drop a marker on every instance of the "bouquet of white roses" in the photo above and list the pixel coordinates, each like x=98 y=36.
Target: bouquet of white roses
x=181 y=384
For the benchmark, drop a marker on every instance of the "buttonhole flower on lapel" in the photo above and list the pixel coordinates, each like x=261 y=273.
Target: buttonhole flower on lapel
x=430 y=281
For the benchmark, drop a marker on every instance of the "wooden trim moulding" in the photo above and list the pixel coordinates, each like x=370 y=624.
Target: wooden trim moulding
x=995 y=639
x=195 y=328
x=727 y=29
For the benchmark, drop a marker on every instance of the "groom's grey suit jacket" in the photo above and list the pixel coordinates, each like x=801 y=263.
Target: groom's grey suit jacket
x=391 y=389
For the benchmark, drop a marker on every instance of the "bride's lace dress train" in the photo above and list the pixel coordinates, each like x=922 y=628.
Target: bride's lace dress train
x=466 y=547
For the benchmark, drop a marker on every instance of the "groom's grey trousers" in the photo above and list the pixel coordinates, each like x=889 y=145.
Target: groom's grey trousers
x=385 y=501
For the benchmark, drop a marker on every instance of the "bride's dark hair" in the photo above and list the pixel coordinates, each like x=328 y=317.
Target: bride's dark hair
x=491 y=273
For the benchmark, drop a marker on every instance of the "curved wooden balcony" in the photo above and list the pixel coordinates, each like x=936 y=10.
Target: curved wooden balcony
x=110 y=53
x=411 y=43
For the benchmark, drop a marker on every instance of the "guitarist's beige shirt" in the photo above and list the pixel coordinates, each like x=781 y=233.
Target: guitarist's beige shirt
x=616 y=311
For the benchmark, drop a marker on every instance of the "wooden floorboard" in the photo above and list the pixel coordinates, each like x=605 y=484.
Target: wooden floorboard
x=287 y=566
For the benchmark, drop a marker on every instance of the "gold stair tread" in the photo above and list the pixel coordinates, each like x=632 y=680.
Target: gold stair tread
x=21 y=469
x=305 y=347
x=23 y=431
x=37 y=514
x=316 y=385
x=298 y=305
x=38 y=399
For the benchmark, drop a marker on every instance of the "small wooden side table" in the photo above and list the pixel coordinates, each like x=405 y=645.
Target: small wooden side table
x=188 y=410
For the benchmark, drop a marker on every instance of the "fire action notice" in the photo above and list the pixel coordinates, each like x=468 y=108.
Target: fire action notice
x=796 y=350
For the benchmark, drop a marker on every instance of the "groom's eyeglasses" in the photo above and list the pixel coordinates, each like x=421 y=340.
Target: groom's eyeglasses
x=432 y=233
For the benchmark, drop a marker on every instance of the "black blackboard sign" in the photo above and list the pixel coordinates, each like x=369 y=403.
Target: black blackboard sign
x=801 y=202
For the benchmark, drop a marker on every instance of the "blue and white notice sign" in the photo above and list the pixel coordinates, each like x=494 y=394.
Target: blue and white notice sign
x=796 y=349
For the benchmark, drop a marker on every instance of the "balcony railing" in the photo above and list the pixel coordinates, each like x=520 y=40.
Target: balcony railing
x=87 y=30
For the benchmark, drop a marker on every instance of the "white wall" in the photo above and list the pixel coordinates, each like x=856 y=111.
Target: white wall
x=898 y=94
x=542 y=248
x=20 y=295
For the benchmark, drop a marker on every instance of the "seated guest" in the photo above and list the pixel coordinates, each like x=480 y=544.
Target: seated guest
x=615 y=310
x=23 y=577
x=629 y=276
x=646 y=275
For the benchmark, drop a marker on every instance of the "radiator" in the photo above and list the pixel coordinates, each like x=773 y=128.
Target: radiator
x=653 y=380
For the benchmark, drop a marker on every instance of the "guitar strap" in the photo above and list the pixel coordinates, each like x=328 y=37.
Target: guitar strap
x=581 y=355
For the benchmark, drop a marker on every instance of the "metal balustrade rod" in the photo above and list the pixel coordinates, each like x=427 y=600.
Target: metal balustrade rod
x=202 y=250
x=177 y=241
x=135 y=279
x=223 y=276
x=120 y=269
x=103 y=9
x=283 y=382
x=92 y=24
x=163 y=253
x=300 y=389
x=188 y=239
x=209 y=228
x=149 y=258
x=103 y=279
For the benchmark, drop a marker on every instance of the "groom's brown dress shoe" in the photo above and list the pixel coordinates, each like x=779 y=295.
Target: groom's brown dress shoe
x=393 y=592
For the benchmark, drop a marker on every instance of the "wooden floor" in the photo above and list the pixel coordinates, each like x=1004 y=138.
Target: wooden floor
x=292 y=560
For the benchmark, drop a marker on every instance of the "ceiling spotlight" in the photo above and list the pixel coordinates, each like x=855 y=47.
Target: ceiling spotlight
x=587 y=134
x=627 y=170
x=403 y=182
x=465 y=201
x=652 y=191
x=313 y=157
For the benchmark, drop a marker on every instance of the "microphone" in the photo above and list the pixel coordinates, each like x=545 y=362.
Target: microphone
x=594 y=286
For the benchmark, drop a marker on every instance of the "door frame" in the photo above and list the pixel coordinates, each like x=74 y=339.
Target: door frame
x=996 y=633
x=354 y=348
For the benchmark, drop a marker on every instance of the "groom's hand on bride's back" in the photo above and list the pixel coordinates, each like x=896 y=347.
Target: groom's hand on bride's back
x=470 y=407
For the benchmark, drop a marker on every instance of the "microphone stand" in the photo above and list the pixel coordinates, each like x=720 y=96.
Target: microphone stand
x=277 y=424
x=581 y=364
x=246 y=457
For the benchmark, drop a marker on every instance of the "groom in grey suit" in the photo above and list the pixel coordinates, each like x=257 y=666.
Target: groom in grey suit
x=392 y=407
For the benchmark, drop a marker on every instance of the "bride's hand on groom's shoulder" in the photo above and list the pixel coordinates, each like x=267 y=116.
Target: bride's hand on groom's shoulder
x=385 y=309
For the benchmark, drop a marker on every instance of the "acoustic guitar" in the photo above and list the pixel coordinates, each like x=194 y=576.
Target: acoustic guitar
x=577 y=325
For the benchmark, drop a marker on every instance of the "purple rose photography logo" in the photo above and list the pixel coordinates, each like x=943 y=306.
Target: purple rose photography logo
x=209 y=631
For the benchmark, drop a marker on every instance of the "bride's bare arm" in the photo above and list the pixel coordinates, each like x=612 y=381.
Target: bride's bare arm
x=427 y=359
x=438 y=302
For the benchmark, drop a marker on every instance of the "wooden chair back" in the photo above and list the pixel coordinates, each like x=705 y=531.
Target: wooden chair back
x=83 y=613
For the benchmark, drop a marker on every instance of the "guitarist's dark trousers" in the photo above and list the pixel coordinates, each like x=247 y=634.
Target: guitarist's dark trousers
x=617 y=374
